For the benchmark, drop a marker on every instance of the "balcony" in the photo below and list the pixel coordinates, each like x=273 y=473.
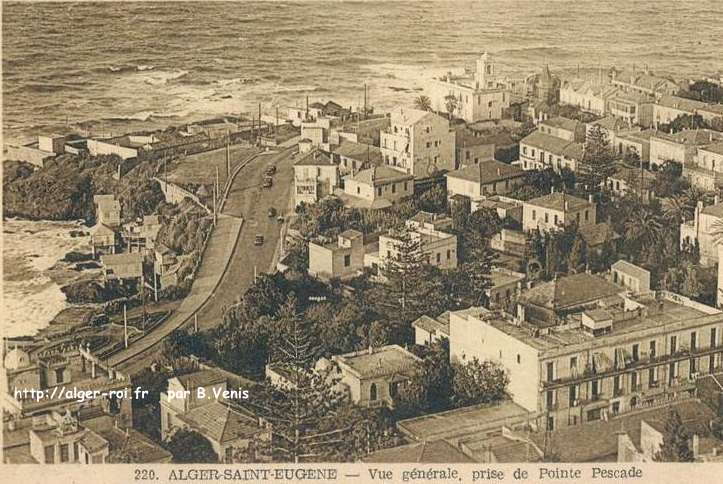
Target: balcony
x=588 y=374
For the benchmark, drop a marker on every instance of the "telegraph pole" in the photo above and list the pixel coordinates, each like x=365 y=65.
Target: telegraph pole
x=125 y=326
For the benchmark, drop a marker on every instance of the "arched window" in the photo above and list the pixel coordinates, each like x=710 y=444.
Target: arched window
x=373 y=392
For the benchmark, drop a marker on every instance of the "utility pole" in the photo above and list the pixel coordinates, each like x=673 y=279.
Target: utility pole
x=259 y=119
x=195 y=323
x=365 y=100
x=276 y=127
x=254 y=274
x=228 y=157
x=214 y=205
x=155 y=285
x=217 y=183
x=125 y=326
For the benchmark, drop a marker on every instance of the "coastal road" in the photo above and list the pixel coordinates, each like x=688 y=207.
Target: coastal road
x=227 y=277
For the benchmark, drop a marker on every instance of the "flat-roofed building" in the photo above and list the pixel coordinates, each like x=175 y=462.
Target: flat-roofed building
x=439 y=247
x=706 y=169
x=590 y=95
x=556 y=210
x=471 y=149
x=352 y=157
x=417 y=142
x=484 y=179
x=627 y=179
x=373 y=376
x=479 y=94
x=603 y=354
x=702 y=230
x=341 y=259
x=506 y=285
x=427 y=330
x=122 y=266
x=631 y=276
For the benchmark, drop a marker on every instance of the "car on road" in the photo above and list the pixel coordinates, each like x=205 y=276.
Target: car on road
x=268 y=181
x=99 y=319
x=272 y=212
x=270 y=170
x=259 y=239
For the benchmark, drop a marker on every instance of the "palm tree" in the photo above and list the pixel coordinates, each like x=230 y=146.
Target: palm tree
x=643 y=228
x=423 y=103
x=682 y=206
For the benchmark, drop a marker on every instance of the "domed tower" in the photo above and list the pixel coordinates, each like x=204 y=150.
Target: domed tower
x=485 y=74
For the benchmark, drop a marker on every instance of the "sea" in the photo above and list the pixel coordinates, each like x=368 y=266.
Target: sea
x=112 y=67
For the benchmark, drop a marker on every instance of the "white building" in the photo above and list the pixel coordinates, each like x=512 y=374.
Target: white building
x=315 y=176
x=417 y=142
x=480 y=95
x=556 y=210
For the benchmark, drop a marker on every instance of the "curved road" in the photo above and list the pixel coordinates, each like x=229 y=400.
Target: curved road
x=246 y=200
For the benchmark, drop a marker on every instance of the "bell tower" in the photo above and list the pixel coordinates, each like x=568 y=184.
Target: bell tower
x=485 y=72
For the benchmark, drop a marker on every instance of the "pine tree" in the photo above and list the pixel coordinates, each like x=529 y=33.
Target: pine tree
x=302 y=413
x=598 y=162
x=675 y=447
x=407 y=289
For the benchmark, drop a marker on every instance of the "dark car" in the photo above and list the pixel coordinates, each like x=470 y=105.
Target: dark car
x=272 y=212
x=268 y=181
x=271 y=169
x=99 y=319
x=259 y=239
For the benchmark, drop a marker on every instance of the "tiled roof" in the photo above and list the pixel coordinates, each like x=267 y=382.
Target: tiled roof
x=314 y=157
x=562 y=122
x=102 y=229
x=556 y=201
x=440 y=324
x=596 y=234
x=714 y=148
x=690 y=105
x=220 y=422
x=437 y=452
x=487 y=172
x=692 y=137
x=464 y=138
x=360 y=152
x=570 y=291
x=379 y=175
x=92 y=441
x=546 y=142
x=611 y=123
x=201 y=378
x=631 y=269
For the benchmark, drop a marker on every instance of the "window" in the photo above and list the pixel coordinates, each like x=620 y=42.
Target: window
x=636 y=352
x=59 y=375
x=373 y=392
x=405 y=186
x=518 y=358
x=577 y=217
x=594 y=415
x=49 y=454
x=713 y=337
x=634 y=381
x=550 y=399
x=617 y=389
x=587 y=216
x=379 y=191
x=550 y=371
x=616 y=408
x=347 y=260
x=555 y=219
x=550 y=423
x=358 y=190
x=429 y=144
x=449 y=254
x=228 y=454
x=75 y=451
x=672 y=372
x=673 y=344
x=573 y=363
x=394 y=188
x=534 y=214
x=653 y=377
x=693 y=340
x=547 y=217
x=652 y=349
x=64 y=453
x=573 y=395
x=524 y=150
x=594 y=389
x=692 y=367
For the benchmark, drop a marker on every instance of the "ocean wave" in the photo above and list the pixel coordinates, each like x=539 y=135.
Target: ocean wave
x=159 y=78
x=236 y=80
x=145 y=68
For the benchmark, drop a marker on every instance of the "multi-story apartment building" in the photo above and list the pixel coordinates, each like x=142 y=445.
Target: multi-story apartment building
x=480 y=95
x=340 y=259
x=417 y=142
x=581 y=348
x=315 y=176
x=556 y=210
x=589 y=95
x=377 y=187
x=484 y=179
x=471 y=149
